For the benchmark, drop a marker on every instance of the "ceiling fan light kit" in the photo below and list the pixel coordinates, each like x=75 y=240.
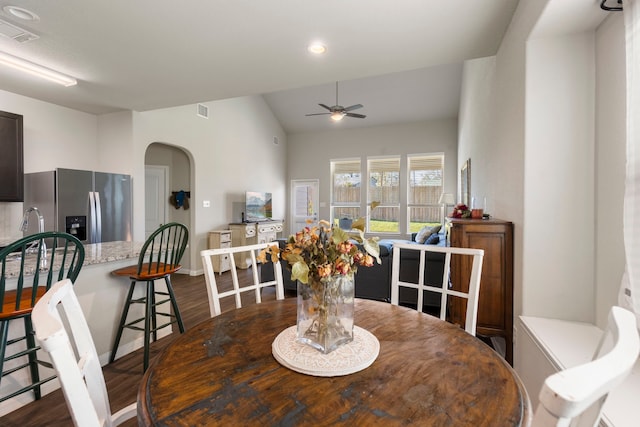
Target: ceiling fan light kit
x=337 y=115
x=338 y=112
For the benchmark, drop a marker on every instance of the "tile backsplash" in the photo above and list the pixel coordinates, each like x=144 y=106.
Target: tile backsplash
x=10 y=218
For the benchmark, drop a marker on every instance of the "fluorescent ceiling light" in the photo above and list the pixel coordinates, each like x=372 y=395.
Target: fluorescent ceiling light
x=36 y=70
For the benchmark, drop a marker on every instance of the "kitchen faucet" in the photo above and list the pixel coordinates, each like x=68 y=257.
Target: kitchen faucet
x=32 y=248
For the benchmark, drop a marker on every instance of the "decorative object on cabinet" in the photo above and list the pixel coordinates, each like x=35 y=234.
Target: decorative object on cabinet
x=446 y=200
x=460 y=211
x=220 y=239
x=495 y=303
x=12 y=160
x=252 y=233
x=465 y=183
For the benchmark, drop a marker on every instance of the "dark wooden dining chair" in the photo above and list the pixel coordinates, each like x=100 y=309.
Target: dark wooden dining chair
x=29 y=267
x=159 y=258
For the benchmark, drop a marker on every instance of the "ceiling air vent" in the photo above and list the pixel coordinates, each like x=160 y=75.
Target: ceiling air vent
x=14 y=32
x=203 y=111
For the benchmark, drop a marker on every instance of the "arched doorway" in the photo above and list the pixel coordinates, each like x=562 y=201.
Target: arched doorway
x=167 y=171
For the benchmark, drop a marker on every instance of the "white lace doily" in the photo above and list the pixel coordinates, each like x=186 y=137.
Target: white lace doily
x=346 y=359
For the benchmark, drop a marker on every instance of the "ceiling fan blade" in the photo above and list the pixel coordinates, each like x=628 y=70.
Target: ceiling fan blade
x=324 y=106
x=353 y=107
x=317 y=114
x=357 y=116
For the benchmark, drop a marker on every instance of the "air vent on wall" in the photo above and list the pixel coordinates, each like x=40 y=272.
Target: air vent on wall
x=14 y=32
x=203 y=111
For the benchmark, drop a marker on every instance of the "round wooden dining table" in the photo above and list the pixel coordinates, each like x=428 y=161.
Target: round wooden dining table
x=428 y=372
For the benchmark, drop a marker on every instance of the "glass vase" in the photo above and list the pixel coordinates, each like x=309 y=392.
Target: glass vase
x=325 y=312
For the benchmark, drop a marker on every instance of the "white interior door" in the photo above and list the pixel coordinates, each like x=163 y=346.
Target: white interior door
x=156 y=199
x=304 y=202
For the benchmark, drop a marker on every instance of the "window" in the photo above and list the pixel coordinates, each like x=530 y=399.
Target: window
x=424 y=189
x=345 y=189
x=384 y=195
x=402 y=195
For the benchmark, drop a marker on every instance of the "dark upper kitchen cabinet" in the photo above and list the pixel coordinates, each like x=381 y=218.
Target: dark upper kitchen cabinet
x=11 y=158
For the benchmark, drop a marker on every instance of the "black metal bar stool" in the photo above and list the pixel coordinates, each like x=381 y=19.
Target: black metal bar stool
x=28 y=271
x=159 y=258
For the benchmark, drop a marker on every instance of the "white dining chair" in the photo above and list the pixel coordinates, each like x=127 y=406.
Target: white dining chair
x=215 y=294
x=476 y=256
x=74 y=357
x=577 y=395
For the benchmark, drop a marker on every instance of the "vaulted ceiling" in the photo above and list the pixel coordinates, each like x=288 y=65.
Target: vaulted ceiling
x=400 y=59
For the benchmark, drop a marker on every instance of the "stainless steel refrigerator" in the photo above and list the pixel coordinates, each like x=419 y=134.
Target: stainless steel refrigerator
x=94 y=206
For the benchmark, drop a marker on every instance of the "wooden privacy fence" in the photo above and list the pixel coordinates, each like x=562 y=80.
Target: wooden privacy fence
x=419 y=195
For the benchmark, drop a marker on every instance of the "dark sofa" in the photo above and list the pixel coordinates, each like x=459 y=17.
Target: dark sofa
x=375 y=282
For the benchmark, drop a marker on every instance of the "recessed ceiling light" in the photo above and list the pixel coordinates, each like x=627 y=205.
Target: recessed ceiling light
x=317 y=48
x=21 y=13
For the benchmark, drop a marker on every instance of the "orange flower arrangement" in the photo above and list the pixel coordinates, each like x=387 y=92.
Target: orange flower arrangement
x=321 y=251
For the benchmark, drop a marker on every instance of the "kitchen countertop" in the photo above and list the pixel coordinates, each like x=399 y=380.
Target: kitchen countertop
x=95 y=253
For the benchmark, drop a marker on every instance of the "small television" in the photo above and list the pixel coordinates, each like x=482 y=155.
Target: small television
x=257 y=206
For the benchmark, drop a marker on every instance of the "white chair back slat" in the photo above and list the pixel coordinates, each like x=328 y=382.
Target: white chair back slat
x=445 y=292
x=74 y=357
x=577 y=395
x=215 y=294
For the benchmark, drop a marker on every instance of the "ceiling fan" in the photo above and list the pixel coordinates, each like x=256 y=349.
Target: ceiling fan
x=338 y=112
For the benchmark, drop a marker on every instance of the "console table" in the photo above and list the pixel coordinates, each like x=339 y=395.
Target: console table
x=251 y=233
x=495 y=303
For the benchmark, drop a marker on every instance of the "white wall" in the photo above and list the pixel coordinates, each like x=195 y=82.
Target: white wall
x=610 y=161
x=475 y=127
x=309 y=154
x=54 y=136
x=556 y=147
x=115 y=142
x=559 y=178
x=499 y=142
x=230 y=153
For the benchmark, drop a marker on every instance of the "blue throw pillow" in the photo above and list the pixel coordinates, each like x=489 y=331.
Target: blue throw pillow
x=425 y=232
x=434 y=239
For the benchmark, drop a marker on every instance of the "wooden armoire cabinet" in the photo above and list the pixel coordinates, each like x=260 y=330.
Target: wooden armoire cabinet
x=495 y=303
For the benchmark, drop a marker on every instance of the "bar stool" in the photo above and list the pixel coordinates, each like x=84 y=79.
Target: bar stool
x=27 y=265
x=159 y=258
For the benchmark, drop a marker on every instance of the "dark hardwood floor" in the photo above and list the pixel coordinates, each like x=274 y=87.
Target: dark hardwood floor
x=124 y=375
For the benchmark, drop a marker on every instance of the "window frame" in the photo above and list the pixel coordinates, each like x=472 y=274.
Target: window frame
x=343 y=163
x=424 y=159
x=385 y=162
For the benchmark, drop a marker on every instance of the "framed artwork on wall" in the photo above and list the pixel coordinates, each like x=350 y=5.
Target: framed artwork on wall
x=465 y=183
